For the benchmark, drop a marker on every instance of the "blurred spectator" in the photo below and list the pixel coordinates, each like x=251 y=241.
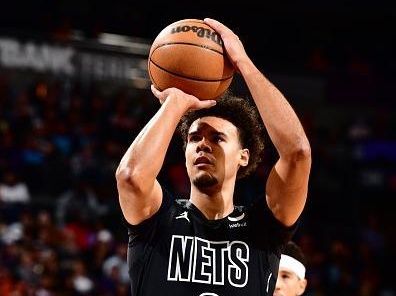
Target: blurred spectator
x=82 y=283
x=79 y=202
x=116 y=267
x=12 y=189
x=14 y=197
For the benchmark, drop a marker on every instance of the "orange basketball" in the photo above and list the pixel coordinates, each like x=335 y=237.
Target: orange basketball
x=189 y=55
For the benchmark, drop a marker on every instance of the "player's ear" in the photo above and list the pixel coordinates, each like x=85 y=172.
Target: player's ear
x=302 y=284
x=244 y=157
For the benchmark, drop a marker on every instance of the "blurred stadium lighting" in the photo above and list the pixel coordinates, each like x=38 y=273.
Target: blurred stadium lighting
x=135 y=45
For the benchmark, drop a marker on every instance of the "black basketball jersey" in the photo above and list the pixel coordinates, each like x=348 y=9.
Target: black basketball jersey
x=179 y=252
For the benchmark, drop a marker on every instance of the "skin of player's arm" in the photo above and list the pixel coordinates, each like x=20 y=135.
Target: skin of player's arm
x=140 y=194
x=287 y=184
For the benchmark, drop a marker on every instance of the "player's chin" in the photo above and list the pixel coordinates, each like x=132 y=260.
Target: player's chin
x=204 y=180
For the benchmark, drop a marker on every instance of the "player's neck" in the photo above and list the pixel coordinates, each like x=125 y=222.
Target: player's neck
x=214 y=205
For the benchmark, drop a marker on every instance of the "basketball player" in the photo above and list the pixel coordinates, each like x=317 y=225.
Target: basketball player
x=291 y=276
x=205 y=245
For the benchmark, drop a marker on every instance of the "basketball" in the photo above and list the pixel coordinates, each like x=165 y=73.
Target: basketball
x=189 y=55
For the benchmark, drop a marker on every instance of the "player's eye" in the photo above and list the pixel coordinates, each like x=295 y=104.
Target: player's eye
x=285 y=276
x=218 y=138
x=194 y=138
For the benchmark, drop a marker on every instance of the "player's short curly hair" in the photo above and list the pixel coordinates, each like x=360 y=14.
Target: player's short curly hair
x=244 y=116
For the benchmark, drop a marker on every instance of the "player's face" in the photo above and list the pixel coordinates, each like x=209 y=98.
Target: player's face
x=213 y=151
x=288 y=284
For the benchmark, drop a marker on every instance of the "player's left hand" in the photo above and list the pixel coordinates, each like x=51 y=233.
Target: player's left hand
x=232 y=44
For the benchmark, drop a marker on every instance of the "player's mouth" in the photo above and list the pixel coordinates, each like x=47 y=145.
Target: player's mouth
x=202 y=161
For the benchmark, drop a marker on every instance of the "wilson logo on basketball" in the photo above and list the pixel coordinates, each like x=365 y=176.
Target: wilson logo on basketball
x=200 y=31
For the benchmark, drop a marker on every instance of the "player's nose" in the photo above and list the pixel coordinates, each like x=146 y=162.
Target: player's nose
x=204 y=145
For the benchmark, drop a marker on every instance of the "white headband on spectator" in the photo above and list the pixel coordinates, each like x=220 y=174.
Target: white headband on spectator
x=293 y=265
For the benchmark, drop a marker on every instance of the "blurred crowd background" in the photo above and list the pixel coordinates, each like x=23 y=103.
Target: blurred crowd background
x=65 y=124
